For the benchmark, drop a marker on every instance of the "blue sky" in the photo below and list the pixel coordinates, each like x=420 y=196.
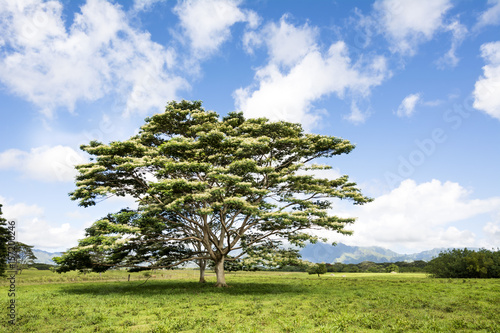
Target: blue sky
x=414 y=84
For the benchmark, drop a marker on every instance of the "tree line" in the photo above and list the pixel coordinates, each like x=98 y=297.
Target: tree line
x=464 y=263
x=453 y=263
x=306 y=266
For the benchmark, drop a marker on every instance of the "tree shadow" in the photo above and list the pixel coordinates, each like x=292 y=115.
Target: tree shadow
x=169 y=288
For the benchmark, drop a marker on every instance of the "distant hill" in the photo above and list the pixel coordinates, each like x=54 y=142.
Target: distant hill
x=322 y=252
x=44 y=257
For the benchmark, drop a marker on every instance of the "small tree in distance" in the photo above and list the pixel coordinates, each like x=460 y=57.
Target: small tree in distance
x=317 y=269
x=4 y=239
x=230 y=184
x=392 y=268
x=25 y=256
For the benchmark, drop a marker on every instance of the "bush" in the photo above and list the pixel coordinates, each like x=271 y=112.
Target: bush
x=392 y=268
x=42 y=267
x=317 y=269
x=351 y=268
x=458 y=263
x=290 y=268
x=375 y=269
x=337 y=267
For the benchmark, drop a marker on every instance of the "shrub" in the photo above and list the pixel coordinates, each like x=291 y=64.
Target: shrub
x=317 y=269
x=392 y=268
x=464 y=263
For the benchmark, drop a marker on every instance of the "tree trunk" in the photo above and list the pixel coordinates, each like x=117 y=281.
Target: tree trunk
x=203 y=264
x=219 y=272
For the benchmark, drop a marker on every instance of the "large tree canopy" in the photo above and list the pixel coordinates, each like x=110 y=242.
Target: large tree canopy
x=128 y=239
x=223 y=185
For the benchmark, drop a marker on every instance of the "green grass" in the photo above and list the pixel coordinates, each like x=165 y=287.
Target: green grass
x=255 y=302
x=33 y=276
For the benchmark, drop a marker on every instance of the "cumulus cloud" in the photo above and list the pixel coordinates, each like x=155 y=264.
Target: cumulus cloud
x=491 y=16
x=207 y=23
x=100 y=54
x=294 y=77
x=486 y=96
x=406 y=24
x=407 y=106
x=33 y=229
x=44 y=235
x=48 y=164
x=419 y=217
x=286 y=43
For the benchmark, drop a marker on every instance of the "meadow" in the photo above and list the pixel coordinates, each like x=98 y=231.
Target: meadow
x=174 y=301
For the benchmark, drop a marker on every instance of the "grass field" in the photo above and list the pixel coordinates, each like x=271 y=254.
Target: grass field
x=255 y=302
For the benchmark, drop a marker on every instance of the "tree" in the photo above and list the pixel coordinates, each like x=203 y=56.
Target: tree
x=270 y=256
x=351 y=268
x=231 y=184
x=392 y=268
x=464 y=263
x=366 y=265
x=202 y=263
x=5 y=236
x=25 y=256
x=125 y=239
x=11 y=249
x=336 y=267
x=263 y=257
x=317 y=269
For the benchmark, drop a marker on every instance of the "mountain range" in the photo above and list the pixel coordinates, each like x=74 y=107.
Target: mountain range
x=327 y=253
x=44 y=257
x=322 y=252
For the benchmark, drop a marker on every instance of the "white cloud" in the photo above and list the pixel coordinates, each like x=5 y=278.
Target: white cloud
x=45 y=236
x=19 y=210
x=76 y=215
x=356 y=116
x=48 y=164
x=408 y=23
x=285 y=88
x=140 y=5
x=100 y=54
x=433 y=103
x=207 y=23
x=407 y=106
x=459 y=31
x=486 y=96
x=33 y=230
x=491 y=16
x=286 y=43
x=420 y=217
x=492 y=231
